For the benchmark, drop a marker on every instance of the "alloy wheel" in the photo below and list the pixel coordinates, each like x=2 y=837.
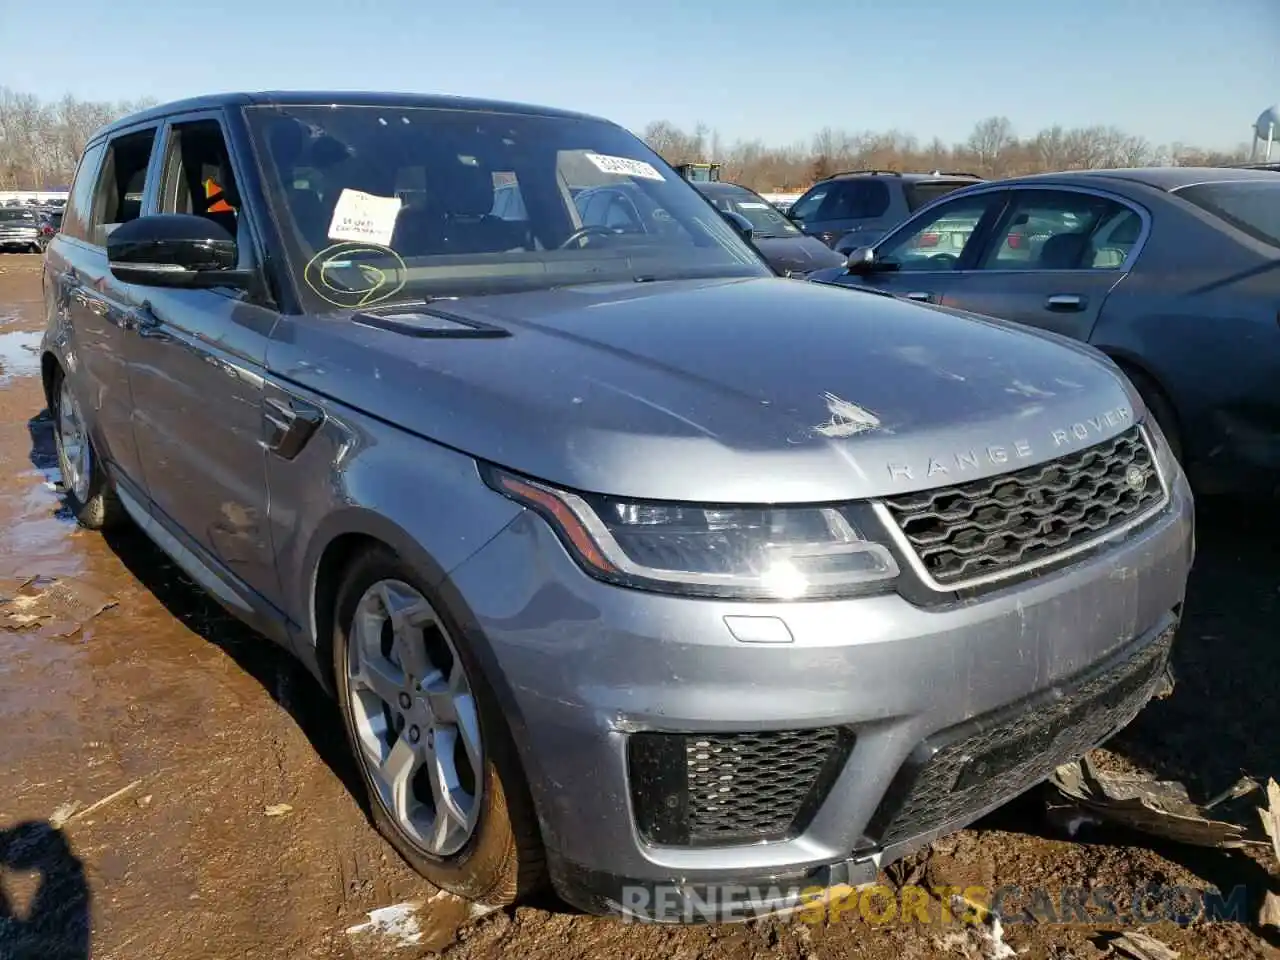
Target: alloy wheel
x=415 y=717
x=74 y=454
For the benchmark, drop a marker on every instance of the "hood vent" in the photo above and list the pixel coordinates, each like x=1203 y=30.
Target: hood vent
x=429 y=323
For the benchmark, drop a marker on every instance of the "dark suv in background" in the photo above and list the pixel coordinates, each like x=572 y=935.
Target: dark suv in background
x=856 y=208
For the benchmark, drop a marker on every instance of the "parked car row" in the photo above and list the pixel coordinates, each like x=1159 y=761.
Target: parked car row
x=632 y=566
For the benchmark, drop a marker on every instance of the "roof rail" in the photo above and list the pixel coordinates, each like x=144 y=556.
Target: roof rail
x=957 y=173
x=850 y=173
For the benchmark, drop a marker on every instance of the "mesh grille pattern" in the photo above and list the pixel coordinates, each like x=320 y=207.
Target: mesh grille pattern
x=1001 y=755
x=725 y=788
x=752 y=783
x=985 y=527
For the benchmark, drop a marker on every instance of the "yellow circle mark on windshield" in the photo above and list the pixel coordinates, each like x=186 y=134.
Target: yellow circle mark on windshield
x=342 y=275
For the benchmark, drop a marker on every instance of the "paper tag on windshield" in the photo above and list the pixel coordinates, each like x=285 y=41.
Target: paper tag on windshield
x=624 y=166
x=364 y=218
x=753 y=205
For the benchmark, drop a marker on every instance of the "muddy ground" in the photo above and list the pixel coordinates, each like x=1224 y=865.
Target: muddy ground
x=230 y=829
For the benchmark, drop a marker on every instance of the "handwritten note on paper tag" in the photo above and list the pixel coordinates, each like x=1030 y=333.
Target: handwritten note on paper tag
x=364 y=218
x=624 y=166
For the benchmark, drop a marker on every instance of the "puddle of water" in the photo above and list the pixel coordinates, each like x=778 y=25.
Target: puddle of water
x=19 y=354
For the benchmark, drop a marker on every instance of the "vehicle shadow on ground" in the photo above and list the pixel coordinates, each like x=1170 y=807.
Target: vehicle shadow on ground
x=279 y=673
x=276 y=669
x=56 y=924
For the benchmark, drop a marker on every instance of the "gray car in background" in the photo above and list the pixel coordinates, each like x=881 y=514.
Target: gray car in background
x=1174 y=272
x=853 y=209
x=20 y=229
x=785 y=246
x=631 y=566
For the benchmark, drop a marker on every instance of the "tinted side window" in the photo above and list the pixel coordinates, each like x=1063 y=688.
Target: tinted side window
x=855 y=200
x=937 y=240
x=926 y=191
x=76 y=217
x=1062 y=230
x=118 y=198
x=807 y=206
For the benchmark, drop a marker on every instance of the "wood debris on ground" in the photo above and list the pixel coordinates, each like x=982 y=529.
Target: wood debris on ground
x=1270 y=815
x=1141 y=946
x=1158 y=807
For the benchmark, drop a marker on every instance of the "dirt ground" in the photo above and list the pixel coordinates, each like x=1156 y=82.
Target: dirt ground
x=229 y=829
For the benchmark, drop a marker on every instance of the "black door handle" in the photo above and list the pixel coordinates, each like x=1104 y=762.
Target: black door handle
x=288 y=425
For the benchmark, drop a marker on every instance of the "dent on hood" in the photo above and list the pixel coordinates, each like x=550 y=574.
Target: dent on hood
x=847 y=419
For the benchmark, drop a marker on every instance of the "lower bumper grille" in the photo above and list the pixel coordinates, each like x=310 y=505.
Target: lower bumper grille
x=727 y=788
x=997 y=756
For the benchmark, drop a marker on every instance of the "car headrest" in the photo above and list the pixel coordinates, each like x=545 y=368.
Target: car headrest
x=464 y=189
x=1062 y=251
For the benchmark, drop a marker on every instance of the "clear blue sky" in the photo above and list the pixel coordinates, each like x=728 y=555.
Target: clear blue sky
x=1190 y=70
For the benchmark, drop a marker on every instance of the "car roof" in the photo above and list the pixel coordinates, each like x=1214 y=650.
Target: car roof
x=1159 y=178
x=940 y=175
x=337 y=98
x=723 y=186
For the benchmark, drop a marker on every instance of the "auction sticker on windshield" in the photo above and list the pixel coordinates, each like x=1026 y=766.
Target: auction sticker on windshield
x=752 y=205
x=364 y=218
x=624 y=166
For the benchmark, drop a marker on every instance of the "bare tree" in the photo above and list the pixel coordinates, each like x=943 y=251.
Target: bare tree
x=991 y=143
x=40 y=143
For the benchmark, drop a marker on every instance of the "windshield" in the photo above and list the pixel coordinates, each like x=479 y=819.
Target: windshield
x=382 y=204
x=11 y=216
x=1251 y=206
x=766 y=219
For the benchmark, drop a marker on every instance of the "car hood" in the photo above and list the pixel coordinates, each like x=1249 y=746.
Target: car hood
x=734 y=391
x=799 y=254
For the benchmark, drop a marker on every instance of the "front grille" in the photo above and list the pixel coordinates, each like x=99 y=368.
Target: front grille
x=726 y=788
x=989 y=527
x=995 y=757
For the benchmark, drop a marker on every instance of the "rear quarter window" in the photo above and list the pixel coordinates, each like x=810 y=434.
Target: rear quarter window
x=1250 y=206
x=926 y=191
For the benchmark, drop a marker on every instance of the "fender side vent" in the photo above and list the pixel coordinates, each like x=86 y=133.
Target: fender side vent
x=426 y=322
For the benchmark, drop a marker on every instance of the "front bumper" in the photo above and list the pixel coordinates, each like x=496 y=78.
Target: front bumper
x=585 y=670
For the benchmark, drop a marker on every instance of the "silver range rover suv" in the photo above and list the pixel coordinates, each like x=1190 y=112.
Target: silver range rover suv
x=632 y=567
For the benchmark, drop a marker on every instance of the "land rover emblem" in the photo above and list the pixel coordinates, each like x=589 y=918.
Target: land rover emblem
x=1136 y=478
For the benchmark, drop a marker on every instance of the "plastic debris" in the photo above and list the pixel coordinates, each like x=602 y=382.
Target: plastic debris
x=1158 y=807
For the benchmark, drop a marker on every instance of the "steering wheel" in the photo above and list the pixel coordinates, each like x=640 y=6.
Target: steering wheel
x=944 y=258
x=583 y=232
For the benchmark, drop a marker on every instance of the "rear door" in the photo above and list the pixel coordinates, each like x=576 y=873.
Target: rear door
x=1052 y=259
x=98 y=306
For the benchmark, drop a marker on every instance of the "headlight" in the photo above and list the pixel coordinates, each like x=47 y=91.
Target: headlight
x=1166 y=462
x=762 y=553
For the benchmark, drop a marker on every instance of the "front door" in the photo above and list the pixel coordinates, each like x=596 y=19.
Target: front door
x=196 y=368
x=922 y=259
x=1052 y=260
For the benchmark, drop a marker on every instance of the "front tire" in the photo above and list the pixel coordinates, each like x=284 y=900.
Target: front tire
x=435 y=755
x=1160 y=407
x=85 y=485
